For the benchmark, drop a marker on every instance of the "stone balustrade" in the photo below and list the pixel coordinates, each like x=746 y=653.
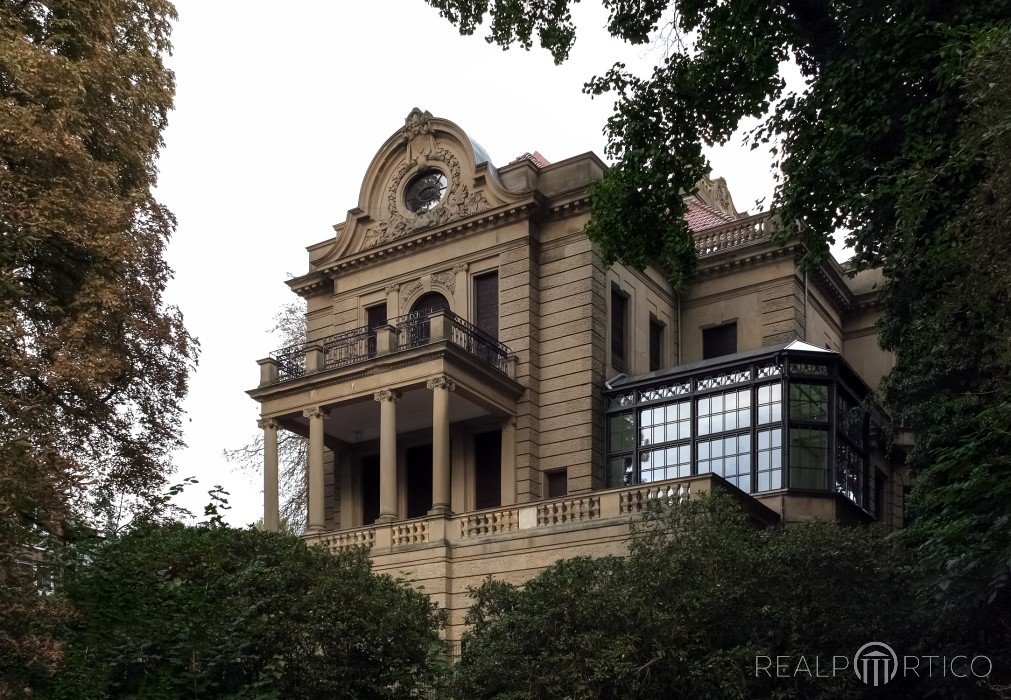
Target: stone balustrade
x=600 y=508
x=733 y=234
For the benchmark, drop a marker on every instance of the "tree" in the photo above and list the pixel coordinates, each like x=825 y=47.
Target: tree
x=899 y=138
x=292 y=451
x=211 y=611
x=702 y=600
x=93 y=364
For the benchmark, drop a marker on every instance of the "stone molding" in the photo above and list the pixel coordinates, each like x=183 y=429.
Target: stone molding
x=267 y=423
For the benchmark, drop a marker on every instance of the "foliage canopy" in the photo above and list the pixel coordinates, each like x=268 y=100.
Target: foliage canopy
x=174 y=611
x=93 y=364
x=702 y=593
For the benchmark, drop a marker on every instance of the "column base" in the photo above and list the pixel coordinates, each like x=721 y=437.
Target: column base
x=314 y=529
x=440 y=510
x=386 y=519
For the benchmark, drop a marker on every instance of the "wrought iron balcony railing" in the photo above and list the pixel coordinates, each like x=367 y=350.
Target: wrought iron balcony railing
x=405 y=332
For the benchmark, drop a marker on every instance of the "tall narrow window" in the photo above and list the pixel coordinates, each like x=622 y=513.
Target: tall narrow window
x=375 y=316
x=619 y=321
x=719 y=341
x=486 y=303
x=655 y=345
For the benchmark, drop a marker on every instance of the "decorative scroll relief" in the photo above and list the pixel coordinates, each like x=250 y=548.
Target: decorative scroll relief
x=717 y=194
x=445 y=279
x=421 y=152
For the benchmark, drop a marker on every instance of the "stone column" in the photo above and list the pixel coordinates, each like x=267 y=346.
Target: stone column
x=271 y=507
x=316 y=415
x=387 y=454
x=509 y=461
x=440 y=386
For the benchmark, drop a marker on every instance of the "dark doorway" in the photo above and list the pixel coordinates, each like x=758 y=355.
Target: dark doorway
x=370 y=489
x=418 y=329
x=488 y=470
x=419 y=481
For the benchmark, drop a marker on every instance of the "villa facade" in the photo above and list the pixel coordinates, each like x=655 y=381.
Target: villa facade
x=483 y=396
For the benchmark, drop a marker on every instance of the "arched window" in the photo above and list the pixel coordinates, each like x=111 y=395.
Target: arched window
x=431 y=301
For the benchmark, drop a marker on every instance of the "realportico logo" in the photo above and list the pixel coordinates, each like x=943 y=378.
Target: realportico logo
x=875 y=663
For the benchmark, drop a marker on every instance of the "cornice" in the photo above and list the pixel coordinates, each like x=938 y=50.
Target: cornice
x=424 y=239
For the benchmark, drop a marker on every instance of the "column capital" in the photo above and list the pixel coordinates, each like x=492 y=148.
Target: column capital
x=267 y=423
x=387 y=395
x=316 y=412
x=441 y=382
x=390 y=288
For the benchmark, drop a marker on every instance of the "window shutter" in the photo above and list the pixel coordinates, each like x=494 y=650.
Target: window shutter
x=486 y=303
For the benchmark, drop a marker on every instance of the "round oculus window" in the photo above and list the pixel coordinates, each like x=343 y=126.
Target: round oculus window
x=425 y=191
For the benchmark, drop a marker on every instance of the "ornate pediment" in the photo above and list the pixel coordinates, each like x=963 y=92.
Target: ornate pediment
x=421 y=152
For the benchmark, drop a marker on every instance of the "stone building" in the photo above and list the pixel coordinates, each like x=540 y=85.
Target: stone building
x=482 y=395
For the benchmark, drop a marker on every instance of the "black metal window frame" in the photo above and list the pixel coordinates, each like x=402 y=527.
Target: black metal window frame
x=793 y=366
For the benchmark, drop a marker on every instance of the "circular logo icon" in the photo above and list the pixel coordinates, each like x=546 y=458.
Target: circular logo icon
x=875 y=663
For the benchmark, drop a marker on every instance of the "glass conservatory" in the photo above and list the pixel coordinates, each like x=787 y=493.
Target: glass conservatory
x=788 y=417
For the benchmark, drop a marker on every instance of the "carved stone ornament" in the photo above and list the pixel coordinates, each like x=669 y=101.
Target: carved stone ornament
x=422 y=153
x=442 y=382
x=407 y=292
x=316 y=412
x=267 y=423
x=446 y=279
x=387 y=395
x=718 y=195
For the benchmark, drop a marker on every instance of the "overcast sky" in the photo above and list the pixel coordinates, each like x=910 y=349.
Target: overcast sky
x=280 y=107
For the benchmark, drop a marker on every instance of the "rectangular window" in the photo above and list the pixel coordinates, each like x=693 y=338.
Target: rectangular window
x=770 y=460
x=808 y=401
x=655 y=345
x=488 y=470
x=770 y=403
x=849 y=467
x=730 y=457
x=730 y=410
x=719 y=341
x=808 y=458
x=486 y=303
x=558 y=483
x=666 y=423
x=666 y=463
x=619 y=322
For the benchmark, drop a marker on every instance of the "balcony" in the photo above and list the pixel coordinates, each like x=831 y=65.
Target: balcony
x=402 y=334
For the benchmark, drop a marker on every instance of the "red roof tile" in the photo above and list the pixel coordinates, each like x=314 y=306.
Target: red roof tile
x=701 y=216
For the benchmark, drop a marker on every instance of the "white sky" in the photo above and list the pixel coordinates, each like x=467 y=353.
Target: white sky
x=280 y=107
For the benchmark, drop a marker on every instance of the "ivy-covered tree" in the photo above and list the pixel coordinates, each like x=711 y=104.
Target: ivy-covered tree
x=708 y=605
x=93 y=364
x=169 y=611
x=899 y=139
